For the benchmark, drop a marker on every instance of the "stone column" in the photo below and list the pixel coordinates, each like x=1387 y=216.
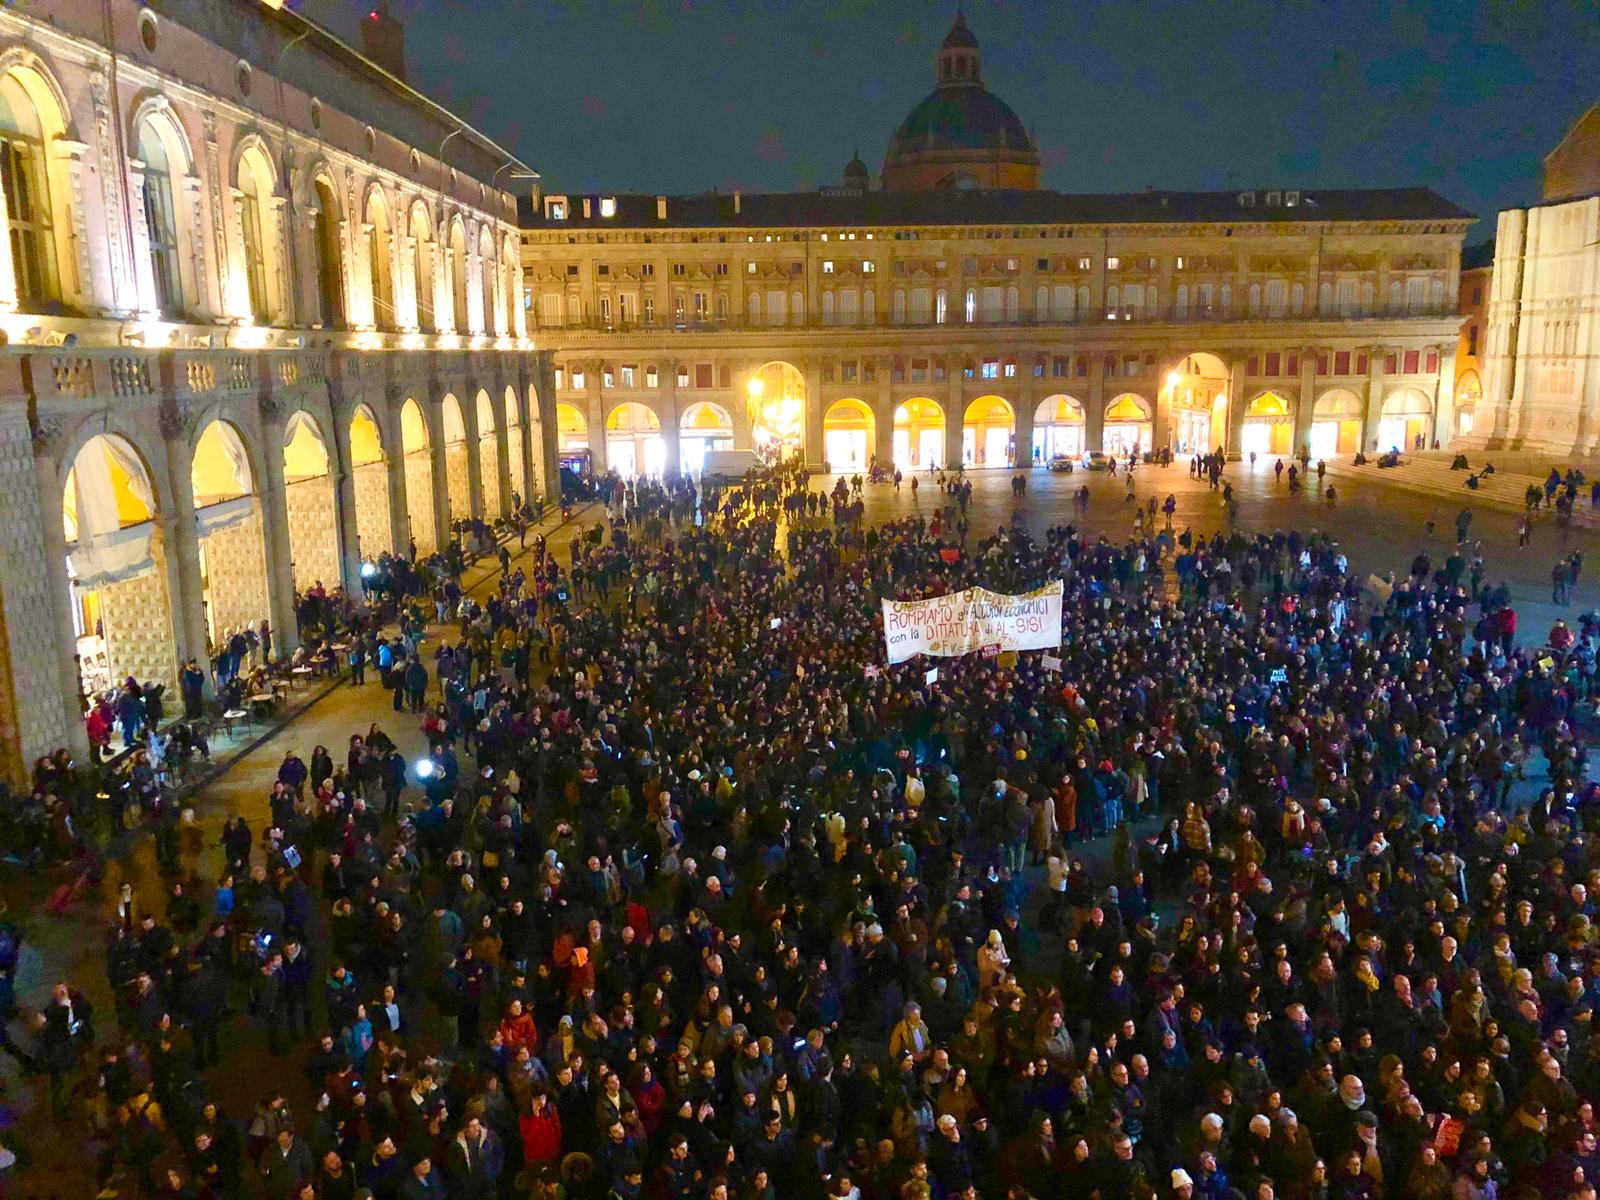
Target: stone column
x=394 y=470
x=1306 y=409
x=502 y=453
x=344 y=507
x=1094 y=415
x=671 y=430
x=439 y=458
x=544 y=460
x=64 y=641
x=1238 y=364
x=474 y=459
x=180 y=537
x=1374 y=406
x=1161 y=416
x=1022 y=452
x=882 y=447
x=275 y=526
x=816 y=408
x=955 y=413
x=1444 y=397
x=595 y=408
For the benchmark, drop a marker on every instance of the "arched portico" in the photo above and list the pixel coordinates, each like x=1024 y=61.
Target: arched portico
x=312 y=504
x=229 y=517
x=122 y=614
x=849 y=433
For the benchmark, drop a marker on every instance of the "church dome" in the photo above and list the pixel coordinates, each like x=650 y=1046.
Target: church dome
x=856 y=174
x=962 y=134
x=961 y=119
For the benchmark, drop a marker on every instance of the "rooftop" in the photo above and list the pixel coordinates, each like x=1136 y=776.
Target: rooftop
x=766 y=210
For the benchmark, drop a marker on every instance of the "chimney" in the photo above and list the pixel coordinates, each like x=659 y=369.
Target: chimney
x=736 y=204
x=661 y=208
x=383 y=39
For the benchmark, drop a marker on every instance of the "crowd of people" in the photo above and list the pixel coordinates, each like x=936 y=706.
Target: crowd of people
x=692 y=897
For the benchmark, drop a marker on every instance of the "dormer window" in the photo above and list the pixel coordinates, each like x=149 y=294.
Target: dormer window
x=608 y=206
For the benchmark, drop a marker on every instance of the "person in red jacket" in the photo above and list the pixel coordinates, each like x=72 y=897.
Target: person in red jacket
x=541 y=1132
x=1507 y=620
x=518 y=1029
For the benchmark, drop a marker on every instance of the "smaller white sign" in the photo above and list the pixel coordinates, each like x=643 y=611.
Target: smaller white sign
x=1050 y=662
x=930 y=676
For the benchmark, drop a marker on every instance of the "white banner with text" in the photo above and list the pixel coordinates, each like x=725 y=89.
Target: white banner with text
x=973 y=619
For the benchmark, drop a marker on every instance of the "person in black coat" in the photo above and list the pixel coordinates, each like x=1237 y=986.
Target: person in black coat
x=65 y=1026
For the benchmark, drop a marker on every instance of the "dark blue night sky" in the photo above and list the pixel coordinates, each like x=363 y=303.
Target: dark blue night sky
x=690 y=95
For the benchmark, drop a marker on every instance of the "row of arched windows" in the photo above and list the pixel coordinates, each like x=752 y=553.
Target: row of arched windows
x=255 y=272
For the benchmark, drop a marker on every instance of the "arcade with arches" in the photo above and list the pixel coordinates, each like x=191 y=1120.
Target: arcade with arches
x=703 y=427
x=116 y=567
x=1336 y=423
x=634 y=445
x=918 y=434
x=311 y=503
x=370 y=484
x=1268 y=425
x=416 y=444
x=848 y=433
x=1058 y=429
x=1197 y=394
x=776 y=402
x=489 y=458
x=1406 y=422
x=1128 y=426
x=233 y=562
x=988 y=431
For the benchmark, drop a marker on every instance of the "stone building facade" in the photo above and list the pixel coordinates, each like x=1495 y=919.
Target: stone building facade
x=962 y=314
x=1541 y=348
x=253 y=286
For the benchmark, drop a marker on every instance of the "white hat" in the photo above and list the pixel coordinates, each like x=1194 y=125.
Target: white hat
x=1180 y=1178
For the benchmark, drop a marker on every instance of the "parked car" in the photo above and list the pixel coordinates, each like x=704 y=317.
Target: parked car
x=1062 y=462
x=1096 y=460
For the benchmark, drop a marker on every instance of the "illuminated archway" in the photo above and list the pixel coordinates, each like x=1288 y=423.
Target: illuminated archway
x=1336 y=423
x=1268 y=425
x=848 y=433
x=1407 y=420
x=489 y=458
x=988 y=429
x=703 y=427
x=1197 y=396
x=633 y=442
x=416 y=446
x=1058 y=428
x=515 y=449
x=776 y=399
x=1469 y=390
x=233 y=562
x=572 y=428
x=918 y=434
x=371 y=480
x=457 y=466
x=1127 y=426
x=116 y=565
x=312 y=504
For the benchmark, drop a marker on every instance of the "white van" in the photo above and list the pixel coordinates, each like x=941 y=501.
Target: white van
x=726 y=466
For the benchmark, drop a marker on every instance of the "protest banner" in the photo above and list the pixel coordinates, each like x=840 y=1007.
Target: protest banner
x=972 y=619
